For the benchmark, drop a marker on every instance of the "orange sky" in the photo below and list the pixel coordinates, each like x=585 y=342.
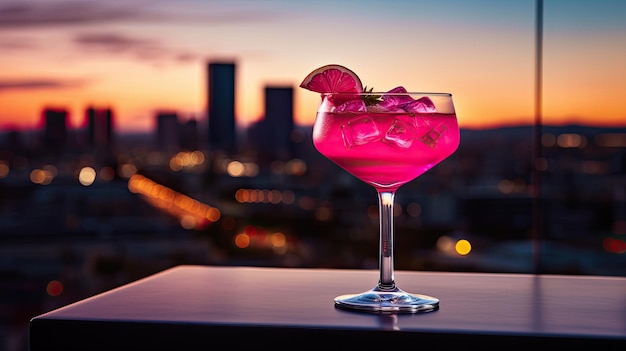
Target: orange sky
x=138 y=60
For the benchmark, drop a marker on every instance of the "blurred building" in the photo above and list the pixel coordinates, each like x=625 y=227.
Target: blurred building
x=55 y=135
x=99 y=128
x=168 y=131
x=189 y=135
x=272 y=136
x=12 y=141
x=221 y=106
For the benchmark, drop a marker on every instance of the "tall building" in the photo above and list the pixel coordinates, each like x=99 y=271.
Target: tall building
x=99 y=127
x=55 y=129
x=277 y=125
x=168 y=131
x=221 y=106
x=189 y=135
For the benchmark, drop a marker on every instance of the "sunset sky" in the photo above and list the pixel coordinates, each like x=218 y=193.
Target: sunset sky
x=140 y=56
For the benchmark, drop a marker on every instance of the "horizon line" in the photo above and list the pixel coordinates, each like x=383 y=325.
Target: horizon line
x=245 y=126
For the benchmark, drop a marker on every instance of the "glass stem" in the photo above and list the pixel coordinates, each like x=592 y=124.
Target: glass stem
x=385 y=208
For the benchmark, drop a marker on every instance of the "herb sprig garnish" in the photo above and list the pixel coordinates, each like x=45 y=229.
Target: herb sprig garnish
x=371 y=99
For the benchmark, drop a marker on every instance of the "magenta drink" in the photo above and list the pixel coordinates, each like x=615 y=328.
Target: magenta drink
x=385 y=146
x=385 y=139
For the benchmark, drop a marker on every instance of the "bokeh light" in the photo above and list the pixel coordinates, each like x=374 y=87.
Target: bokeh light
x=54 y=288
x=242 y=240
x=463 y=247
x=4 y=169
x=191 y=213
x=107 y=174
x=41 y=176
x=571 y=140
x=87 y=176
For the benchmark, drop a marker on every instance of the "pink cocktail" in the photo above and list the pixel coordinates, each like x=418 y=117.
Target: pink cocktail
x=386 y=150
x=386 y=139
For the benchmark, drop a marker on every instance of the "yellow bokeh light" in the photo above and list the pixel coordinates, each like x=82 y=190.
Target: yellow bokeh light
x=127 y=170
x=235 y=169
x=611 y=140
x=197 y=157
x=87 y=176
x=51 y=169
x=278 y=240
x=463 y=247
x=275 y=196
x=296 y=167
x=176 y=164
x=242 y=195
x=571 y=140
x=188 y=222
x=40 y=176
x=37 y=176
x=288 y=197
x=445 y=243
x=251 y=169
x=213 y=214
x=173 y=202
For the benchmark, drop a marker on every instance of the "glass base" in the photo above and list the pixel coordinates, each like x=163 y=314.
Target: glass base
x=387 y=301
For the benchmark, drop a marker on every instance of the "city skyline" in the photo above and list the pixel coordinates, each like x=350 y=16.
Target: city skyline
x=138 y=59
x=272 y=136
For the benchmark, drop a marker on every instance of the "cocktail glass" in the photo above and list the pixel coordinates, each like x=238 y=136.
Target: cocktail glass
x=386 y=139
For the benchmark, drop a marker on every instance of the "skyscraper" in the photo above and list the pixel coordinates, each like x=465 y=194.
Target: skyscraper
x=272 y=137
x=168 y=131
x=189 y=135
x=55 y=132
x=278 y=124
x=100 y=127
x=221 y=106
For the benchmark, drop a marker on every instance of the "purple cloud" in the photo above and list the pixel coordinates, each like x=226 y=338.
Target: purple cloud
x=39 y=83
x=80 y=17
x=145 y=49
x=114 y=42
x=29 y=14
x=23 y=14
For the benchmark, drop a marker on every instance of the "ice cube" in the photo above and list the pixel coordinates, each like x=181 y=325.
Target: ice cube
x=434 y=134
x=421 y=105
x=391 y=101
x=419 y=122
x=360 y=131
x=397 y=90
x=352 y=106
x=400 y=134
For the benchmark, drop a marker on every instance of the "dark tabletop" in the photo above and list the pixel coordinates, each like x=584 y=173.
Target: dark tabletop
x=197 y=306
